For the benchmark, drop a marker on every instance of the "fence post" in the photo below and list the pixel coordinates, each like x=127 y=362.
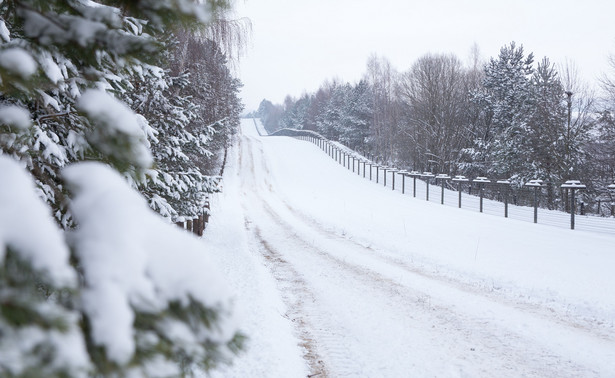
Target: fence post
x=459 y=180
x=197 y=225
x=403 y=174
x=481 y=188
x=427 y=176
x=414 y=175
x=393 y=171
x=572 y=185
x=506 y=184
x=536 y=184
x=442 y=177
x=384 y=171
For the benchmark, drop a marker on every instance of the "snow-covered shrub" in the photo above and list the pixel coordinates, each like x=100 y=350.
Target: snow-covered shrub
x=39 y=326
x=151 y=295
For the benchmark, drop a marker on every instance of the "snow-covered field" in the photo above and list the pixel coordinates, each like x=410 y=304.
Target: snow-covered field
x=335 y=275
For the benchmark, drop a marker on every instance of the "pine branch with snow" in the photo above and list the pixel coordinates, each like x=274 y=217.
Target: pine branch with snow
x=68 y=74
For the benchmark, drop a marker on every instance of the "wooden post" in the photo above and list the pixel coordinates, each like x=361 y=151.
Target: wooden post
x=197 y=225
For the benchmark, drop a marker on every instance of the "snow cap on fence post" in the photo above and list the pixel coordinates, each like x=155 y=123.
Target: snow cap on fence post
x=572 y=185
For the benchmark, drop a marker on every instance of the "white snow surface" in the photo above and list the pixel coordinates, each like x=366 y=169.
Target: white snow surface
x=18 y=61
x=51 y=69
x=132 y=258
x=29 y=229
x=5 y=34
x=15 y=116
x=338 y=276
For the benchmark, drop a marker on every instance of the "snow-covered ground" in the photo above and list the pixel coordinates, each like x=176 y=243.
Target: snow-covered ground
x=335 y=275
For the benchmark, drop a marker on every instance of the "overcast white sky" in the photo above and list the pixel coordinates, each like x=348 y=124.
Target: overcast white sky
x=297 y=44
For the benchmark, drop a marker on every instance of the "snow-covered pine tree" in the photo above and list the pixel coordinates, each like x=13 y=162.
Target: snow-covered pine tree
x=329 y=121
x=216 y=94
x=506 y=100
x=40 y=334
x=66 y=69
x=357 y=116
x=543 y=145
x=270 y=115
x=175 y=186
x=300 y=112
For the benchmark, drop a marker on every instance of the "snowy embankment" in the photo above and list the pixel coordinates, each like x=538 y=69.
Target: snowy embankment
x=337 y=275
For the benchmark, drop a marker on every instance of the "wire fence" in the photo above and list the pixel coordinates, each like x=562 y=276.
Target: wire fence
x=478 y=194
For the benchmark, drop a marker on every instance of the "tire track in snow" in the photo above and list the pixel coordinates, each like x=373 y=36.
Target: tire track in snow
x=293 y=290
x=294 y=294
x=600 y=328
x=517 y=357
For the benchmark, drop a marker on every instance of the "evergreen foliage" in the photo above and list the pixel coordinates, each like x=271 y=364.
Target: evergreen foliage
x=99 y=81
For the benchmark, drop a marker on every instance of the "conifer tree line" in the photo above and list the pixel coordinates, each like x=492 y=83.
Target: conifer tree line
x=176 y=78
x=512 y=117
x=110 y=109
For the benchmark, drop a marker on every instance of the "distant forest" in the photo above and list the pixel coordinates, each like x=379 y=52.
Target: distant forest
x=509 y=118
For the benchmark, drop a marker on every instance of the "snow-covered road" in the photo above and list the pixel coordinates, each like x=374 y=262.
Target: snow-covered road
x=336 y=276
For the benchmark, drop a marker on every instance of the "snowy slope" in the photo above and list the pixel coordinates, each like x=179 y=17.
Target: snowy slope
x=339 y=276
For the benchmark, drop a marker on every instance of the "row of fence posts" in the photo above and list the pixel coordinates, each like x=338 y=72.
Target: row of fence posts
x=198 y=224
x=344 y=158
